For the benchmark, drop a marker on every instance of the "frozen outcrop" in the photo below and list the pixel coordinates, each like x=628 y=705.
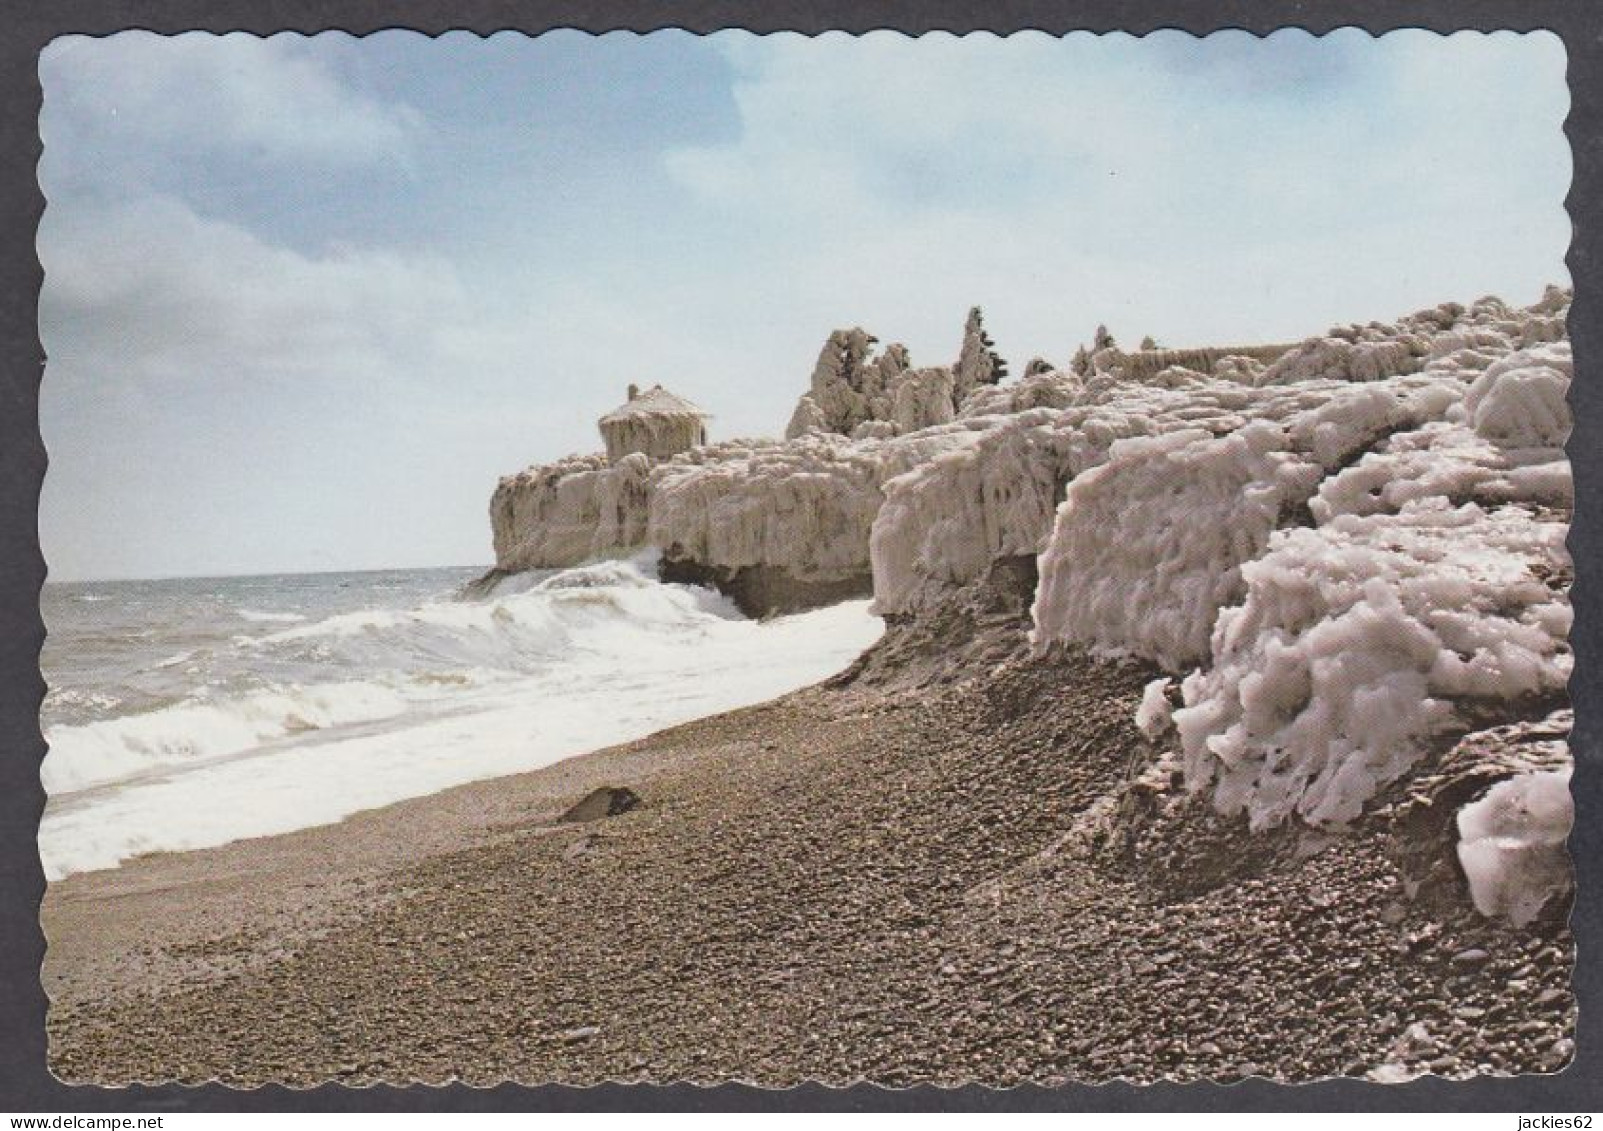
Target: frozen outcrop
x=1046 y=388
x=1144 y=365
x=1425 y=824
x=570 y=512
x=1354 y=545
x=805 y=506
x=995 y=496
x=1392 y=547
x=1147 y=547
x=1354 y=644
x=1449 y=461
x=1339 y=358
x=849 y=385
x=978 y=363
x=761 y=516
x=923 y=399
x=1512 y=845
x=854 y=393
x=1519 y=402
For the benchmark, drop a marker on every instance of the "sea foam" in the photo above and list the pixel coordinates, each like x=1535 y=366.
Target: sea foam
x=450 y=691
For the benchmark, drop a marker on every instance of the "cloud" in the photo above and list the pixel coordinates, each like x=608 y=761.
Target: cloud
x=149 y=290
x=264 y=102
x=1165 y=183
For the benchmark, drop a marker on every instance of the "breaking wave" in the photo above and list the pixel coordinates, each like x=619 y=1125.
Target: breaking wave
x=312 y=721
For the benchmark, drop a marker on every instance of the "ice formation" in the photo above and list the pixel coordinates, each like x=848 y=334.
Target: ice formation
x=978 y=363
x=856 y=394
x=570 y=512
x=805 y=506
x=1353 y=545
x=1147 y=547
x=1512 y=844
x=654 y=423
x=1155 y=715
x=1354 y=642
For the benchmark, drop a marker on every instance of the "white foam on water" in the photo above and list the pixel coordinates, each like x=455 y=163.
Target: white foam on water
x=268 y=618
x=458 y=691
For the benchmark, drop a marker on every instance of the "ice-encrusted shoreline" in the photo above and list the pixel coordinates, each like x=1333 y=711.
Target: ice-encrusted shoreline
x=1344 y=550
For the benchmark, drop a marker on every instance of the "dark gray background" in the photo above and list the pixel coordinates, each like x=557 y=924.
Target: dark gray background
x=25 y=1085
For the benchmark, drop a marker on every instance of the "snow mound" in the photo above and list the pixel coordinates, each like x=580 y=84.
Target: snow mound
x=1354 y=641
x=1046 y=389
x=1519 y=401
x=1512 y=844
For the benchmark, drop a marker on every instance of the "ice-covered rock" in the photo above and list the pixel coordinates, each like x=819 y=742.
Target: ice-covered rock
x=1357 y=541
x=995 y=495
x=573 y=511
x=1240 y=368
x=1512 y=844
x=854 y=393
x=1341 y=359
x=1147 y=547
x=1155 y=715
x=1353 y=644
x=804 y=506
x=923 y=398
x=1519 y=401
x=1044 y=389
x=978 y=363
x=1424 y=824
x=848 y=384
x=1448 y=461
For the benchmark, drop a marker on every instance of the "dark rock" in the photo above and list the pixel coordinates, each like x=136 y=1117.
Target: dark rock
x=608 y=801
x=763 y=591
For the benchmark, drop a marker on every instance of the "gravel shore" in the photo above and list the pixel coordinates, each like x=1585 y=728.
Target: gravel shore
x=883 y=881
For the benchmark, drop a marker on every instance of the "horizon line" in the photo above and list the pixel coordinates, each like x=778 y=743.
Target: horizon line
x=255 y=573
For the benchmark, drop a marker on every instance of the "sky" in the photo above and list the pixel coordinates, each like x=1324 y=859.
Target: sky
x=306 y=299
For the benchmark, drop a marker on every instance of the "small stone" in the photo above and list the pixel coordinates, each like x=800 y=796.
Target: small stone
x=583 y=1033
x=608 y=801
x=1474 y=956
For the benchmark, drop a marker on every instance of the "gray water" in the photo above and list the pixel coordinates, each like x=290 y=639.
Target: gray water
x=189 y=713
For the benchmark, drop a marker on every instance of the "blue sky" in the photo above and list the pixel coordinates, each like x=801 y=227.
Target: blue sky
x=306 y=299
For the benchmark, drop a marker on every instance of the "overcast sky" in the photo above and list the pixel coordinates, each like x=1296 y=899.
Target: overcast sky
x=306 y=299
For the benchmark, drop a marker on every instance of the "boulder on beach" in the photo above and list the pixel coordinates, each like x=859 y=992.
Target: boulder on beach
x=607 y=801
